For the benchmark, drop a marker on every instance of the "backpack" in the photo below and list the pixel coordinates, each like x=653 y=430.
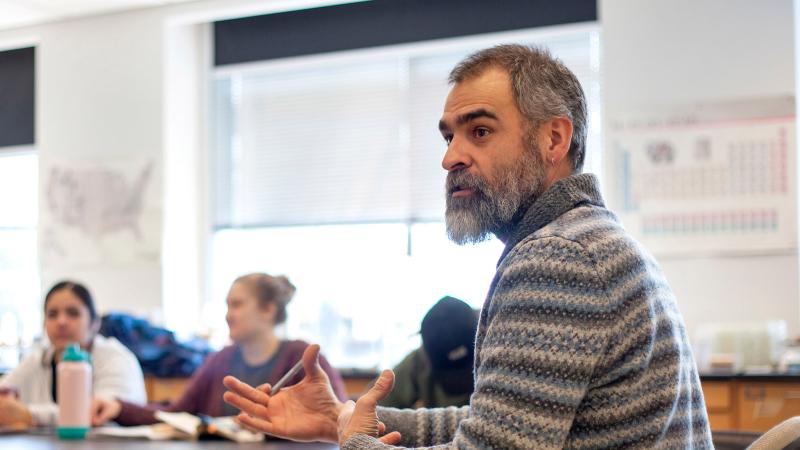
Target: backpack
x=158 y=351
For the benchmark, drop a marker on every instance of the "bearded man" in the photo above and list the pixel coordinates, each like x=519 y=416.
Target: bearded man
x=579 y=345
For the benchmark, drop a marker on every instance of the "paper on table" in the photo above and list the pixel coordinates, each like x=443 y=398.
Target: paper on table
x=182 y=421
x=223 y=426
x=157 y=432
x=181 y=426
x=228 y=428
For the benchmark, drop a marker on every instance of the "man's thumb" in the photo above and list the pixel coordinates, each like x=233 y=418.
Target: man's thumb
x=311 y=361
x=379 y=390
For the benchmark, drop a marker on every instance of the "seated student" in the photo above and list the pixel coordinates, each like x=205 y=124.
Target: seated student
x=256 y=304
x=440 y=372
x=69 y=317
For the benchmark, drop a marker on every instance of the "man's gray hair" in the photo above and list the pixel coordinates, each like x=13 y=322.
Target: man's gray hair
x=543 y=88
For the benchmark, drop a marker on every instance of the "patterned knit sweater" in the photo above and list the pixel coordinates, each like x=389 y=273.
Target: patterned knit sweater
x=580 y=345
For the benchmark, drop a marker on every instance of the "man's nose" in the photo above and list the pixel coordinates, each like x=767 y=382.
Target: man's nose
x=456 y=157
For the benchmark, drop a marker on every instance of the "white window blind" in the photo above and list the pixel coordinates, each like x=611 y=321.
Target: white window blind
x=318 y=146
x=349 y=141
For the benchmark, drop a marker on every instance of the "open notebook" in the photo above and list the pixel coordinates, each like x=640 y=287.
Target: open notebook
x=183 y=426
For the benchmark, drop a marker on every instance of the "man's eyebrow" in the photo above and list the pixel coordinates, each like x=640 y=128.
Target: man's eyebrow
x=476 y=114
x=468 y=117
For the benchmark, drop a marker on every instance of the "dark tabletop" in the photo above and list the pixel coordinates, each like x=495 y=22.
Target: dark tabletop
x=775 y=377
x=44 y=442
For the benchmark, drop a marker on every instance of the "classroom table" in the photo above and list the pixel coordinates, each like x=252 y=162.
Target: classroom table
x=50 y=442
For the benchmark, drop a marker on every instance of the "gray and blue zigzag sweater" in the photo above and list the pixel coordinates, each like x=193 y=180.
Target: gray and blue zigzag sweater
x=580 y=345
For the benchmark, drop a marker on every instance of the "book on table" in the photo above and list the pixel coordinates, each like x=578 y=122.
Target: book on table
x=183 y=426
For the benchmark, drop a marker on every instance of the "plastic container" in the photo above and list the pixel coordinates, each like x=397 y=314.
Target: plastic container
x=790 y=361
x=74 y=393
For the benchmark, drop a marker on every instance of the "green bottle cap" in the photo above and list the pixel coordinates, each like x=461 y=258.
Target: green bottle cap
x=73 y=352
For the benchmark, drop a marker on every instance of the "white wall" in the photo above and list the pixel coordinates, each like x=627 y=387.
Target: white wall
x=656 y=53
x=99 y=99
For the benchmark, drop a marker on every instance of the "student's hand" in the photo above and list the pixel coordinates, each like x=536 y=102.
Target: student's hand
x=307 y=411
x=362 y=417
x=8 y=391
x=104 y=410
x=14 y=413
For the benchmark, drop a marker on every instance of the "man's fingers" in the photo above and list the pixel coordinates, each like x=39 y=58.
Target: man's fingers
x=255 y=424
x=392 y=438
x=379 y=390
x=265 y=388
x=311 y=362
x=245 y=405
x=247 y=398
x=245 y=390
x=248 y=427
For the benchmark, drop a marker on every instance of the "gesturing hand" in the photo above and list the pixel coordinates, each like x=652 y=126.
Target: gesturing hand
x=306 y=411
x=362 y=418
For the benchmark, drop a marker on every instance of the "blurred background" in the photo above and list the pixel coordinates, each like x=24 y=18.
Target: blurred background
x=155 y=150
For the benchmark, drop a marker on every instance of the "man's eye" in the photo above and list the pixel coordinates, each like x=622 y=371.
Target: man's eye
x=480 y=132
x=448 y=138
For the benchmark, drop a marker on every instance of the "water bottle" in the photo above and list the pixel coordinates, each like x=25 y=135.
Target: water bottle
x=74 y=393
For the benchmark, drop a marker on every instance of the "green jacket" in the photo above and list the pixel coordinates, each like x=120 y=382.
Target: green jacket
x=415 y=387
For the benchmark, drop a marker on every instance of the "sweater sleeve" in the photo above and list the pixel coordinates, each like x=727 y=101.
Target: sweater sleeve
x=541 y=334
x=424 y=426
x=198 y=387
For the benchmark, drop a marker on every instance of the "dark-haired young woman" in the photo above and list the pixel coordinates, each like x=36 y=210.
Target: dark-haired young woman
x=28 y=393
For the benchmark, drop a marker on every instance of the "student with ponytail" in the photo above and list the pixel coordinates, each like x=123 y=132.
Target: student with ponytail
x=256 y=305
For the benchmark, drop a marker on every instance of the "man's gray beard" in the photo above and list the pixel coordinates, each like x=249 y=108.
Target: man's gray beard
x=492 y=208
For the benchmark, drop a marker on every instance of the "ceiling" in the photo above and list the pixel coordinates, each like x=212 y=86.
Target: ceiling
x=20 y=13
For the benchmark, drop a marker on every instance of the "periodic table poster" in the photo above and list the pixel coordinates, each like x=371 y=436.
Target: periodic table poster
x=708 y=186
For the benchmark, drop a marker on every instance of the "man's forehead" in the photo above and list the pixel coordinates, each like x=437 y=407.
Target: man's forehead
x=489 y=91
x=490 y=80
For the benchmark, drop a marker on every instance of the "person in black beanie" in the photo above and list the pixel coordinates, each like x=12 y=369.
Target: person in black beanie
x=439 y=373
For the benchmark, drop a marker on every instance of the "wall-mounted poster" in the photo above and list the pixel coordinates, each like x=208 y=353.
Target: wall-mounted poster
x=708 y=185
x=99 y=213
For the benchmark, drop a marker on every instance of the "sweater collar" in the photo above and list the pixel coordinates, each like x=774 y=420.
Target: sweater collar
x=562 y=196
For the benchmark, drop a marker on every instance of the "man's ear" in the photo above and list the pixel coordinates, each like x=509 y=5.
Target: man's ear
x=556 y=135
